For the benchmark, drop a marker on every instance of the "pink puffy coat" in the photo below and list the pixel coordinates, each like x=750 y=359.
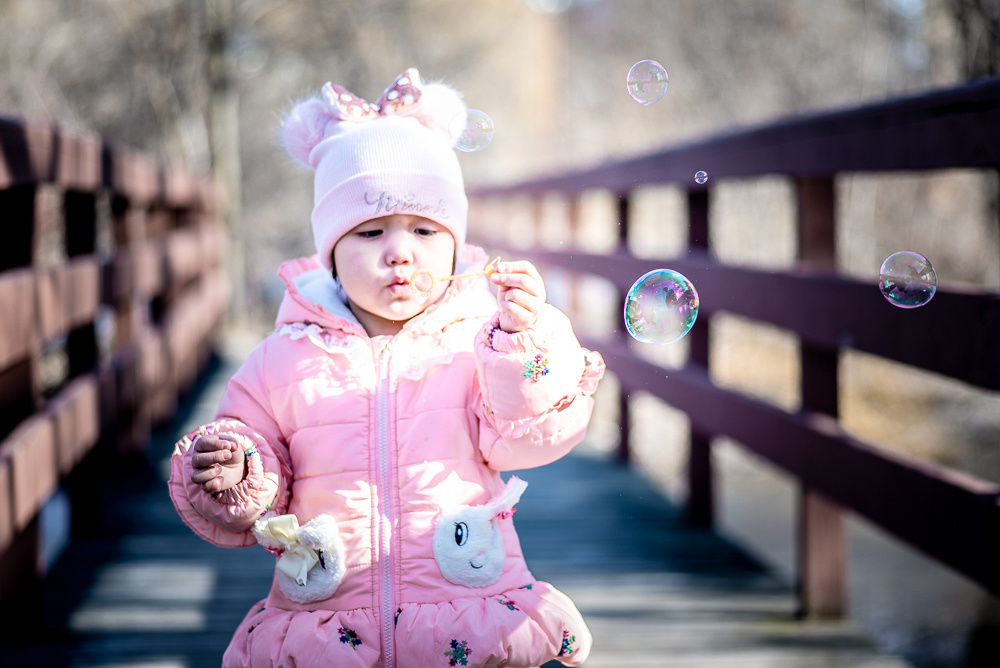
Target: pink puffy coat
x=394 y=438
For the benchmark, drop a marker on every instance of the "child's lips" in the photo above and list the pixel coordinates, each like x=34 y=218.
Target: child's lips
x=400 y=285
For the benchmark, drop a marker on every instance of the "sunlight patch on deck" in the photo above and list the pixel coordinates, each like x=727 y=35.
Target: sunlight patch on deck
x=155 y=663
x=687 y=621
x=146 y=596
x=105 y=618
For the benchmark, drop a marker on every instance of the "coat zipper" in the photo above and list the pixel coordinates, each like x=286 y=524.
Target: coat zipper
x=385 y=505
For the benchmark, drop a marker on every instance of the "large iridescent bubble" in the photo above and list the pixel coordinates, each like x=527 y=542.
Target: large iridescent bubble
x=647 y=82
x=907 y=279
x=474 y=130
x=660 y=307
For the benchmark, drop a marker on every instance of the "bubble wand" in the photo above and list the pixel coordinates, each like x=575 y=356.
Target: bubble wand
x=422 y=282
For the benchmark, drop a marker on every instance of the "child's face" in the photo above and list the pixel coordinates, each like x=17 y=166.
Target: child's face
x=374 y=263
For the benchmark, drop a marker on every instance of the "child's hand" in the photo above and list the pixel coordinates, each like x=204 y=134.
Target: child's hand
x=219 y=463
x=521 y=296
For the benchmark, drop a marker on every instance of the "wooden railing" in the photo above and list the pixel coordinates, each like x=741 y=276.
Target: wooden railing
x=111 y=291
x=952 y=516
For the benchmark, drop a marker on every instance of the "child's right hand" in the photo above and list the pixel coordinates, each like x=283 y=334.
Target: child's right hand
x=219 y=463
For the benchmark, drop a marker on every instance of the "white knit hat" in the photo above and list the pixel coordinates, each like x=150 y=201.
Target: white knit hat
x=373 y=160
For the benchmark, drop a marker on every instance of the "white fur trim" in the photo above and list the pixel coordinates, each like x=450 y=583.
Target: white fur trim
x=321 y=535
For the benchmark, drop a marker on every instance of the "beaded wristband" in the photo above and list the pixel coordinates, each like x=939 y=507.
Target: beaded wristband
x=248 y=453
x=490 y=334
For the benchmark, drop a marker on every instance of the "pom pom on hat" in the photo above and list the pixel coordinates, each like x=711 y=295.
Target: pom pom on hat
x=443 y=111
x=304 y=127
x=373 y=160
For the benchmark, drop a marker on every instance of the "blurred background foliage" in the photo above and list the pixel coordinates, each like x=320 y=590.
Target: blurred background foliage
x=203 y=83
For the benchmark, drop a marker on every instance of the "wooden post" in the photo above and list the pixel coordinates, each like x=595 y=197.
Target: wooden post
x=573 y=217
x=821 y=543
x=80 y=211
x=20 y=396
x=624 y=416
x=20 y=390
x=18 y=205
x=697 y=204
x=699 y=508
x=80 y=223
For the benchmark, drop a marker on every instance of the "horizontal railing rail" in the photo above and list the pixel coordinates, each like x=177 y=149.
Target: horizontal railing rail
x=947 y=514
x=958 y=127
x=111 y=290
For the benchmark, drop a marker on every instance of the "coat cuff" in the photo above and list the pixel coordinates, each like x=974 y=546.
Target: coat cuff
x=528 y=373
x=226 y=517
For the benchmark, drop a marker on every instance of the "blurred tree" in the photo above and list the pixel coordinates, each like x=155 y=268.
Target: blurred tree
x=224 y=124
x=979 y=27
x=203 y=83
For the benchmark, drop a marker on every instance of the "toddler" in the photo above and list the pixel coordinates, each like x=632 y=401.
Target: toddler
x=362 y=441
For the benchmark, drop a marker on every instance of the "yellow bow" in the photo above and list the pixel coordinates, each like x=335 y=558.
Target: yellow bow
x=296 y=559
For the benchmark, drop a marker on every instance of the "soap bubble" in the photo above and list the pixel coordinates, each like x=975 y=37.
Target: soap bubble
x=475 y=133
x=907 y=279
x=660 y=307
x=647 y=82
x=701 y=177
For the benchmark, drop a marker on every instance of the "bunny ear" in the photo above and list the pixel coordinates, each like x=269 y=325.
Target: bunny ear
x=503 y=504
x=304 y=127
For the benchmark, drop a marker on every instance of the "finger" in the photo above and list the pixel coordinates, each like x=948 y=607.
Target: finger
x=523 y=299
x=527 y=282
x=214 y=485
x=201 y=460
x=202 y=476
x=518 y=267
x=519 y=313
x=534 y=290
x=515 y=318
x=211 y=443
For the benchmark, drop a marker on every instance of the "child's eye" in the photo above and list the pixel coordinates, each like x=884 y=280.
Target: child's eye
x=425 y=232
x=369 y=234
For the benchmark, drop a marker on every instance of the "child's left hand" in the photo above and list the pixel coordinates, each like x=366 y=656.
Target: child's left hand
x=521 y=295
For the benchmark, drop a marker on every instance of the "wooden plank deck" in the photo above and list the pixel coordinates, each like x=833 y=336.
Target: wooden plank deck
x=146 y=592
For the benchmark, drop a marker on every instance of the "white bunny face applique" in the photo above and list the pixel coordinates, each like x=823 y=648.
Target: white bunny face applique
x=468 y=545
x=311 y=557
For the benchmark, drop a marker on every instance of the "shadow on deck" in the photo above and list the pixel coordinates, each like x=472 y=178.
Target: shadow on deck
x=145 y=591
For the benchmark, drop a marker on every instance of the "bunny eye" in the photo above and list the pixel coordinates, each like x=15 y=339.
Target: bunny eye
x=461 y=533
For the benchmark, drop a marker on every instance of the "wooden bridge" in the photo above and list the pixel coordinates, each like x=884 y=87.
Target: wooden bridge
x=108 y=331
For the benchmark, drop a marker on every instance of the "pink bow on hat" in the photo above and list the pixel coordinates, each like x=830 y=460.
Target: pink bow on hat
x=399 y=98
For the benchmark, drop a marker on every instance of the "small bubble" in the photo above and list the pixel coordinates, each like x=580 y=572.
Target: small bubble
x=474 y=132
x=647 y=82
x=661 y=306
x=907 y=279
x=701 y=177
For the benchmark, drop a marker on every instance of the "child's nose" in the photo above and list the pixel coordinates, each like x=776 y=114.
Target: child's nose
x=398 y=250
